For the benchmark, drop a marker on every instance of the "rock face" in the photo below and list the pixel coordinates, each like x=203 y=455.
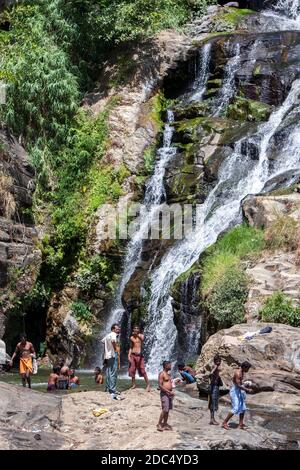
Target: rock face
x=277 y=271
x=134 y=126
x=19 y=257
x=261 y=211
x=275 y=358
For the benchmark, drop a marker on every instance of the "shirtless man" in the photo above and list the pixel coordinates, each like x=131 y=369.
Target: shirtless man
x=238 y=396
x=27 y=352
x=166 y=396
x=136 y=358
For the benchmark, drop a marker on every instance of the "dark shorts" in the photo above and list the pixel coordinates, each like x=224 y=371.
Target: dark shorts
x=213 y=397
x=137 y=363
x=166 y=402
x=51 y=388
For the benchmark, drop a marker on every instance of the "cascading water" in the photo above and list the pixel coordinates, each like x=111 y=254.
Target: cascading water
x=154 y=194
x=155 y=191
x=239 y=176
x=228 y=86
x=285 y=15
x=201 y=73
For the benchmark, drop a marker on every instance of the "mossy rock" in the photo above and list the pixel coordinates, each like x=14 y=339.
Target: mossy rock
x=243 y=109
x=190 y=110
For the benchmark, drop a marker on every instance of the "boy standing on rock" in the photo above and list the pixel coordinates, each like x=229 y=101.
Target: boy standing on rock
x=166 y=396
x=238 y=396
x=214 y=389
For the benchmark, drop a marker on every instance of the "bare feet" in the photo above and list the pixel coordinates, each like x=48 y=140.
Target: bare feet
x=132 y=387
x=148 y=388
x=167 y=427
x=159 y=428
x=214 y=422
x=242 y=426
x=225 y=426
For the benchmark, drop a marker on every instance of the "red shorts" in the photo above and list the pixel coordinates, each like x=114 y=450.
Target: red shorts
x=137 y=363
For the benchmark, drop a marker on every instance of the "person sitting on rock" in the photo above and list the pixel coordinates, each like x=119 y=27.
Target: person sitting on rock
x=73 y=379
x=214 y=389
x=187 y=373
x=99 y=379
x=53 y=378
x=238 y=396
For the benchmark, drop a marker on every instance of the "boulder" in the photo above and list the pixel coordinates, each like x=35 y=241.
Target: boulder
x=29 y=419
x=275 y=359
x=261 y=211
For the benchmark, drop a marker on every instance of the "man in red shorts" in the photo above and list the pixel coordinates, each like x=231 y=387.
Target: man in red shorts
x=136 y=358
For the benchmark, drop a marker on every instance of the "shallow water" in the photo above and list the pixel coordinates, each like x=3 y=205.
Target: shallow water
x=86 y=377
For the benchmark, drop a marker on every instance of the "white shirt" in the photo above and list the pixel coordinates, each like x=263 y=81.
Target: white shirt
x=109 y=351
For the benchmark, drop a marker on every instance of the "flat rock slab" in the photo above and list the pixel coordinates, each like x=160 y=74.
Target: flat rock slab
x=29 y=419
x=33 y=420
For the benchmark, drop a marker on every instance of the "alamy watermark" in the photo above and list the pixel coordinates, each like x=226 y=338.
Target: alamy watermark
x=153 y=222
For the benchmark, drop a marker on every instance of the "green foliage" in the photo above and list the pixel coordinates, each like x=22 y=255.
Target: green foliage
x=81 y=311
x=279 y=308
x=42 y=90
x=282 y=233
x=239 y=243
x=226 y=301
x=91 y=273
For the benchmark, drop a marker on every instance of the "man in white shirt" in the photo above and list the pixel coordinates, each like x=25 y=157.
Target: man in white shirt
x=112 y=359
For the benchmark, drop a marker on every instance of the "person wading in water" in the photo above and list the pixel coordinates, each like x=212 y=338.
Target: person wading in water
x=136 y=358
x=26 y=351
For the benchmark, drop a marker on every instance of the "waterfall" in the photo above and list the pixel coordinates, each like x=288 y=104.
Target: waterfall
x=239 y=176
x=285 y=15
x=289 y=8
x=154 y=194
x=155 y=191
x=228 y=87
x=201 y=73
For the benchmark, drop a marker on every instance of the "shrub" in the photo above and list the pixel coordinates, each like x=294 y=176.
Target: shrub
x=226 y=301
x=279 y=309
x=90 y=274
x=239 y=243
x=282 y=233
x=81 y=311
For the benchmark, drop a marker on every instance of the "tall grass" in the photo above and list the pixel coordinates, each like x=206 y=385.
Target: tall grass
x=239 y=243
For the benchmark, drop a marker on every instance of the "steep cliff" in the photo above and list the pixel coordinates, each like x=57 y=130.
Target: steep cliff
x=19 y=255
